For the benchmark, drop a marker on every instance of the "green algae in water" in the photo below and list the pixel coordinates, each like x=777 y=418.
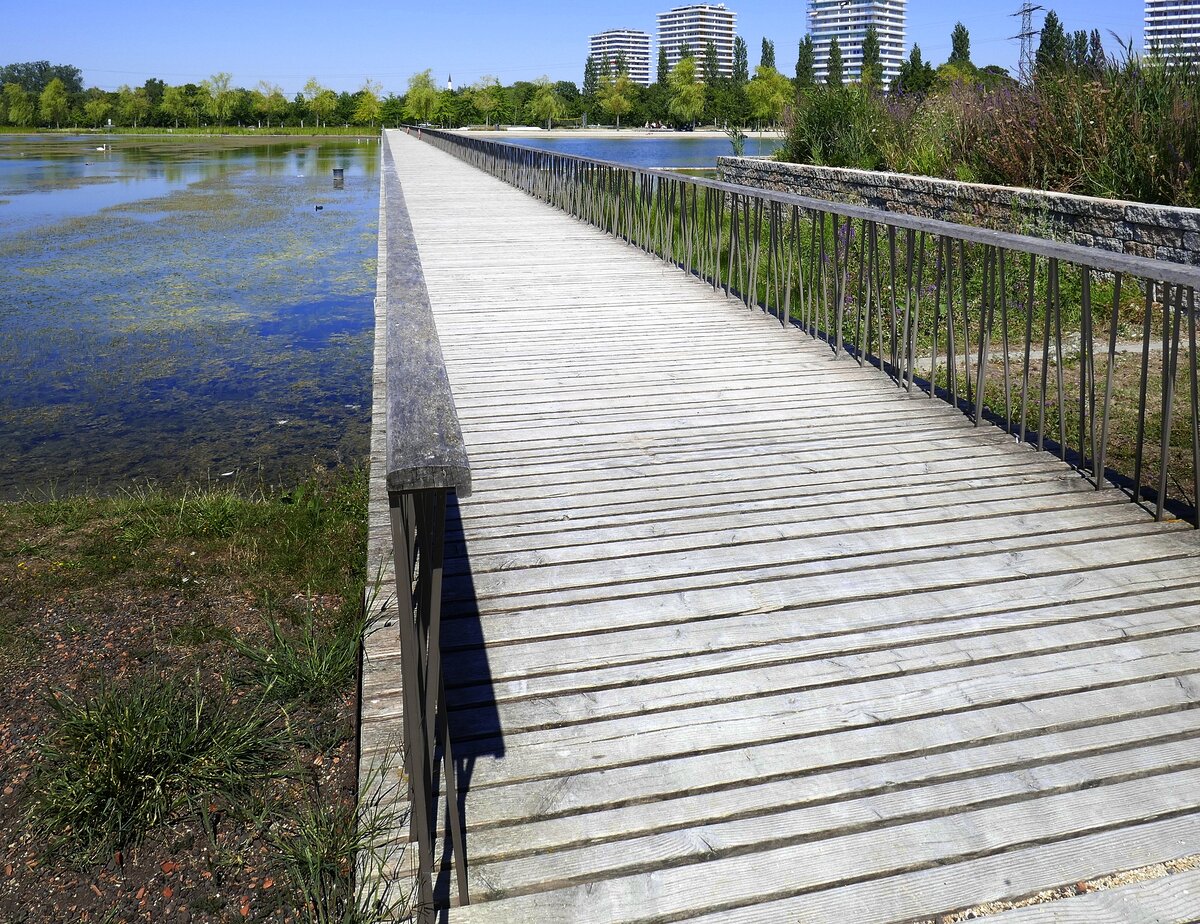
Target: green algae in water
x=224 y=326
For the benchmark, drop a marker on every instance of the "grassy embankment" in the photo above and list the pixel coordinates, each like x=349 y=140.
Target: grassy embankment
x=179 y=667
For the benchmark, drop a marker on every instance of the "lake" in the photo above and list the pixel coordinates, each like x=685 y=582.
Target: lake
x=674 y=150
x=182 y=309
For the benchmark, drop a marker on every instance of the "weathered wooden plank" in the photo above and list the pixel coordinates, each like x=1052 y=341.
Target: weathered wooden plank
x=1173 y=899
x=729 y=882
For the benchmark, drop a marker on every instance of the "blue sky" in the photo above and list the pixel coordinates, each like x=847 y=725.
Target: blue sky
x=343 y=41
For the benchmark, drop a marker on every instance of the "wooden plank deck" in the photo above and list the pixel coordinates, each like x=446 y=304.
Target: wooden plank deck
x=740 y=632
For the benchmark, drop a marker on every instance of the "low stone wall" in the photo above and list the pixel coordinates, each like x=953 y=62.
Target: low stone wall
x=1128 y=227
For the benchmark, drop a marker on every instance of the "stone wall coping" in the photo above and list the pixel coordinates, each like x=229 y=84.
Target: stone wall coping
x=1141 y=212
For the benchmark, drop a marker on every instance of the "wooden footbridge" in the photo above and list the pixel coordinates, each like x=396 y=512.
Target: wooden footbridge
x=773 y=560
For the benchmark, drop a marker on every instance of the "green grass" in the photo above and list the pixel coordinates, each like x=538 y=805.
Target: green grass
x=312 y=663
x=263 y=538
x=323 y=843
x=134 y=757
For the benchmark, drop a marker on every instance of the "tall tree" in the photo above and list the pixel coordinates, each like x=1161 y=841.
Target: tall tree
x=685 y=51
x=591 y=77
x=741 y=61
x=20 y=105
x=34 y=76
x=871 y=73
x=767 y=57
x=687 y=96
x=960 y=45
x=621 y=65
x=768 y=93
x=833 y=69
x=546 y=104
x=53 y=102
x=132 y=105
x=806 y=63
x=420 y=102
x=712 y=66
x=175 y=104
x=1097 y=59
x=664 y=67
x=268 y=100
x=616 y=95
x=1051 y=56
x=916 y=74
x=367 y=107
x=485 y=95
x=1078 y=50
x=96 y=110
x=221 y=97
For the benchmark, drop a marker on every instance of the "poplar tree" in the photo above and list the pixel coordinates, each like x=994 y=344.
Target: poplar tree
x=741 y=61
x=871 y=73
x=664 y=67
x=712 y=66
x=833 y=70
x=767 y=58
x=806 y=63
x=960 y=45
x=1051 y=56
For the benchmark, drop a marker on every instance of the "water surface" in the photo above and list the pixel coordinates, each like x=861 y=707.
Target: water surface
x=181 y=309
x=673 y=150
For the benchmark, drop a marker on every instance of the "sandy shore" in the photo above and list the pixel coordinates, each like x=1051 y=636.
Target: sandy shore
x=525 y=131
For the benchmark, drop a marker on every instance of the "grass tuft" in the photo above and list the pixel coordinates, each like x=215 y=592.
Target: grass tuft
x=313 y=663
x=324 y=844
x=134 y=757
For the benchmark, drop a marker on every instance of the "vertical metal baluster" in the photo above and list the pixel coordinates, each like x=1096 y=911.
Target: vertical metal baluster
x=733 y=240
x=986 y=320
x=964 y=266
x=795 y=269
x=860 y=294
x=1060 y=376
x=752 y=299
x=1171 y=322
x=1046 y=353
x=951 y=339
x=894 y=318
x=915 y=324
x=937 y=308
x=1191 y=310
x=415 y=758
x=1142 y=398
x=1032 y=293
x=1108 y=385
x=1003 y=284
x=1087 y=379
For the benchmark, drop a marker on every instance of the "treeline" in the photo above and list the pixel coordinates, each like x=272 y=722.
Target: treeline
x=41 y=95
x=1079 y=120
x=693 y=91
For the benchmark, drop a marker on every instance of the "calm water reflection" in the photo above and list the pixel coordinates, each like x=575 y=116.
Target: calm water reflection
x=179 y=309
x=668 y=151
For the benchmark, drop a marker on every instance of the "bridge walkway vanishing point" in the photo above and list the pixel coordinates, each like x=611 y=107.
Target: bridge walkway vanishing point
x=737 y=631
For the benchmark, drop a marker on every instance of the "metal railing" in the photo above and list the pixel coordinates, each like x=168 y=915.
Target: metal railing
x=1074 y=349
x=426 y=461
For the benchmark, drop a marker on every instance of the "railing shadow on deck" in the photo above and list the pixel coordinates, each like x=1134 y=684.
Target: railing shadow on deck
x=1075 y=350
x=466 y=666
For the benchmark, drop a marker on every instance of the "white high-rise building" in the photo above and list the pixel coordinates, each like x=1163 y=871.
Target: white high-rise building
x=848 y=21
x=634 y=45
x=695 y=26
x=1173 y=28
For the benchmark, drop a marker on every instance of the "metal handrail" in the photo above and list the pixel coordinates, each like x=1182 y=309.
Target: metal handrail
x=426 y=461
x=913 y=296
